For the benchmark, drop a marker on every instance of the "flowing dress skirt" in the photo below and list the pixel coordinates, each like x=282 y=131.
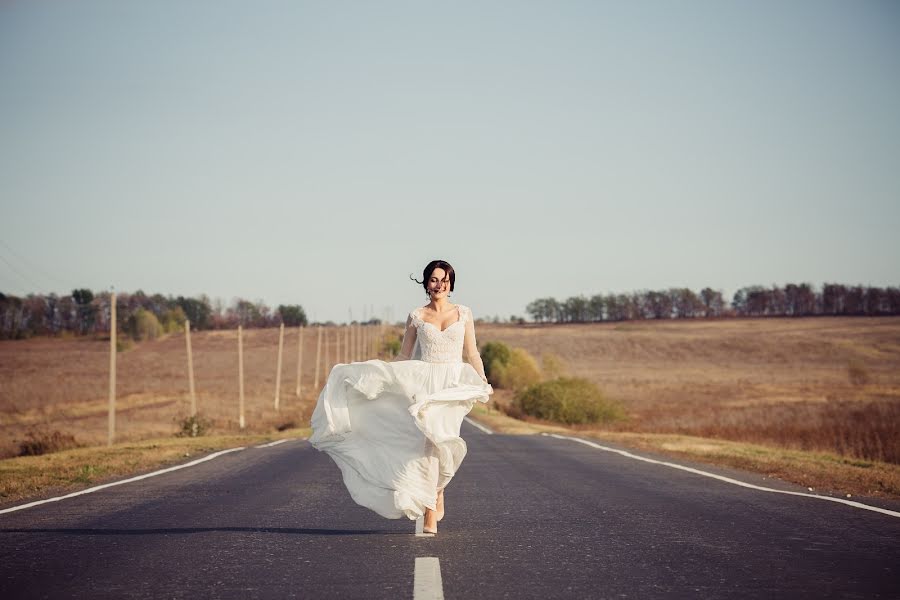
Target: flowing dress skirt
x=393 y=429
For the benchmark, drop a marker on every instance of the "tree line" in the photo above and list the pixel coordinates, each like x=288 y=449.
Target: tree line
x=84 y=313
x=792 y=300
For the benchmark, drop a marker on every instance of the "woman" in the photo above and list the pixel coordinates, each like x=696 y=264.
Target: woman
x=393 y=428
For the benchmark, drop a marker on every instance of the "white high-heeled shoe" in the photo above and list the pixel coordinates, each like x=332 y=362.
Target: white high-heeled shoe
x=422 y=530
x=427 y=529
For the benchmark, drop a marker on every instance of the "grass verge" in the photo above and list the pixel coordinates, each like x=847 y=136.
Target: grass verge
x=30 y=477
x=825 y=472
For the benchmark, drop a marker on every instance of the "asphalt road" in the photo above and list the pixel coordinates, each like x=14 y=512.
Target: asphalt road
x=527 y=517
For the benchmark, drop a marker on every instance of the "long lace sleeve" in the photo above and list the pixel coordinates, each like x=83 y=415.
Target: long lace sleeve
x=409 y=340
x=470 y=347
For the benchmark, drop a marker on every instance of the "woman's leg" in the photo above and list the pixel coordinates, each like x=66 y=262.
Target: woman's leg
x=433 y=516
x=431 y=521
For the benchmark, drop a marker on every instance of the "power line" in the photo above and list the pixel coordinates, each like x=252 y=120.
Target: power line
x=24 y=277
x=37 y=268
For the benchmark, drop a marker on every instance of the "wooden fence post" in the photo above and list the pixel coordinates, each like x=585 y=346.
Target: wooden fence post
x=318 y=359
x=111 y=421
x=241 y=375
x=190 y=356
x=299 y=358
x=278 y=368
x=327 y=360
x=337 y=347
x=337 y=344
x=352 y=334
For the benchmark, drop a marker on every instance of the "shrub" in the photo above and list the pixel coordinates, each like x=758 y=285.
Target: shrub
x=193 y=426
x=391 y=345
x=43 y=442
x=173 y=320
x=143 y=325
x=568 y=400
x=519 y=372
x=494 y=354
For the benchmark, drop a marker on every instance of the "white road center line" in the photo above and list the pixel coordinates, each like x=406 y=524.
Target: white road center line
x=129 y=480
x=885 y=511
x=427 y=583
x=420 y=528
x=478 y=425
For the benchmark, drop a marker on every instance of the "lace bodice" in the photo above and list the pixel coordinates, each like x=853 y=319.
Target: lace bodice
x=452 y=345
x=440 y=346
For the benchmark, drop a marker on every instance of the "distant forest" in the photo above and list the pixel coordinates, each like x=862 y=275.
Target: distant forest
x=792 y=300
x=84 y=312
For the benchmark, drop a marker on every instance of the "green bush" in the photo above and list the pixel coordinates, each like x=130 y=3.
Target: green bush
x=173 y=320
x=390 y=345
x=494 y=354
x=568 y=400
x=519 y=372
x=143 y=325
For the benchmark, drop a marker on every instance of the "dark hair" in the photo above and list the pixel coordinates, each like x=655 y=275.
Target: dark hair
x=429 y=269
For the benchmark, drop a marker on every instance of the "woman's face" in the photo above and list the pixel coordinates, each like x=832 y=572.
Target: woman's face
x=438 y=284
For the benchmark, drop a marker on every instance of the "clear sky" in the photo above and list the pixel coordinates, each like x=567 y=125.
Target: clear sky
x=319 y=152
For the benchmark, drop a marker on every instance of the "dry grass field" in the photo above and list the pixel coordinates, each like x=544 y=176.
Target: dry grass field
x=830 y=384
x=62 y=385
x=814 y=384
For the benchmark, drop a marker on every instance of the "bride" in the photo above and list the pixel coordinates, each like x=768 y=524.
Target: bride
x=393 y=428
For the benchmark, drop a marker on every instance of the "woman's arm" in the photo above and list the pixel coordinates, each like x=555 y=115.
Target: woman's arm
x=470 y=348
x=409 y=340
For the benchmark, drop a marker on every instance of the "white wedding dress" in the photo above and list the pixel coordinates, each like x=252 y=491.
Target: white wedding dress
x=393 y=427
